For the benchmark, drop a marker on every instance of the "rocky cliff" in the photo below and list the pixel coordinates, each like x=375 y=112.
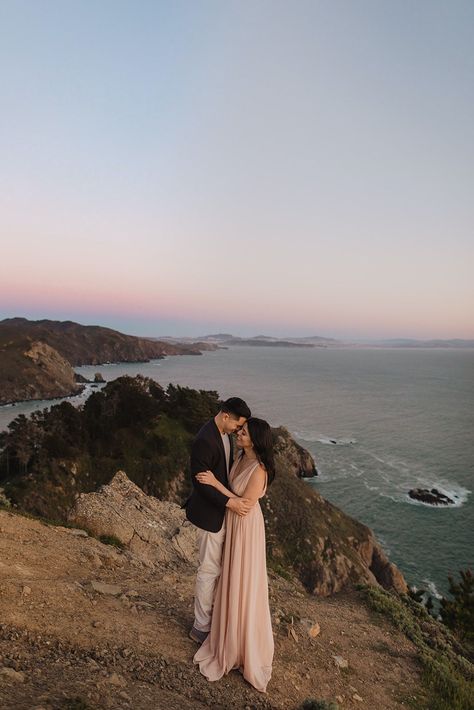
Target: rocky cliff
x=327 y=548
x=86 y=625
x=50 y=460
x=32 y=369
x=96 y=617
x=57 y=347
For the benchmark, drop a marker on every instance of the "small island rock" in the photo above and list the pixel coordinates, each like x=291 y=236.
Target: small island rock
x=432 y=497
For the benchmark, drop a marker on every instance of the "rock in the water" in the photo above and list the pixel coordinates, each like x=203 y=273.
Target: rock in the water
x=432 y=497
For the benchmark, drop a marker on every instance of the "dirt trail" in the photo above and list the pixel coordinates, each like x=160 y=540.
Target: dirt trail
x=63 y=638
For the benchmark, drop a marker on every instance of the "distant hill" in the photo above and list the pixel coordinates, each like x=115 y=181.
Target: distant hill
x=267 y=342
x=316 y=339
x=411 y=343
x=37 y=357
x=226 y=339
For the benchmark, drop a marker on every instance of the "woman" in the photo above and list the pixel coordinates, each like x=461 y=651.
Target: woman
x=241 y=630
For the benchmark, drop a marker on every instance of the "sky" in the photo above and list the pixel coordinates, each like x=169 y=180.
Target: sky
x=196 y=166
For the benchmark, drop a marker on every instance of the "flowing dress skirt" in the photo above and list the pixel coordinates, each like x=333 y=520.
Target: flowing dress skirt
x=241 y=630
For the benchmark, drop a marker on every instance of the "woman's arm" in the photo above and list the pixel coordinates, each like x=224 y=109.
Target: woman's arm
x=253 y=489
x=256 y=485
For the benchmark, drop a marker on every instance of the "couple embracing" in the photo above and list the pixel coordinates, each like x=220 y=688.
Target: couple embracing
x=232 y=620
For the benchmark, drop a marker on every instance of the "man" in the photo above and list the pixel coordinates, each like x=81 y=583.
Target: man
x=205 y=508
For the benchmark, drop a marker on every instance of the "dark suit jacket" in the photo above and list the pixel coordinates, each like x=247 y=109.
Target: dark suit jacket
x=205 y=507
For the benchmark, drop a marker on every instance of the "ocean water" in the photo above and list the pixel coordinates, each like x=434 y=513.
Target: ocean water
x=377 y=421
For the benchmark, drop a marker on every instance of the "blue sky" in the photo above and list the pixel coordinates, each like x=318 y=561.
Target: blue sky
x=294 y=168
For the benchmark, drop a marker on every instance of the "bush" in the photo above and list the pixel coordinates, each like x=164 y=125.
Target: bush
x=132 y=424
x=447 y=673
x=458 y=613
x=111 y=540
x=312 y=704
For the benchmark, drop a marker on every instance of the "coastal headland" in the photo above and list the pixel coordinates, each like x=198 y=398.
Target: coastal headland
x=95 y=606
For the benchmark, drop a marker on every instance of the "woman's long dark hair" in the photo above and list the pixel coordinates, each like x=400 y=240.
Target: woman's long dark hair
x=262 y=439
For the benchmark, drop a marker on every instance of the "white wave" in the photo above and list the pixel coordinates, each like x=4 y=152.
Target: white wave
x=374 y=456
x=340 y=474
x=390 y=461
x=432 y=589
x=457 y=502
x=336 y=442
x=315 y=437
x=393 y=477
x=371 y=488
x=410 y=475
x=384 y=544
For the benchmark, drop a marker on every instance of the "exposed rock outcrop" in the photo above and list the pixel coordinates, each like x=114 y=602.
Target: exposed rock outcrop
x=34 y=370
x=432 y=497
x=329 y=550
x=83 y=624
x=152 y=529
x=297 y=459
x=36 y=357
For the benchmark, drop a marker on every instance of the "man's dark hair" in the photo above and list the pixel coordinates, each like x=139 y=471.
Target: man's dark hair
x=236 y=407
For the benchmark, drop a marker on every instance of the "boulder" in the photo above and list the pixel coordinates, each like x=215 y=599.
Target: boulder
x=155 y=531
x=432 y=497
x=297 y=460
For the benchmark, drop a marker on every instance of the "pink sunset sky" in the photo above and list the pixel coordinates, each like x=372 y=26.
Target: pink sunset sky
x=248 y=168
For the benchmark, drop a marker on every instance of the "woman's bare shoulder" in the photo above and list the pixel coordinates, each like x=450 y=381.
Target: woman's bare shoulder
x=259 y=474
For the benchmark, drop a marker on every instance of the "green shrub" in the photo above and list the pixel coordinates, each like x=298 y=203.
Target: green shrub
x=447 y=673
x=75 y=704
x=111 y=540
x=312 y=704
x=458 y=613
x=132 y=424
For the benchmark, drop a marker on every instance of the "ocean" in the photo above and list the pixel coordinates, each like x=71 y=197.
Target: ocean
x=377 y=421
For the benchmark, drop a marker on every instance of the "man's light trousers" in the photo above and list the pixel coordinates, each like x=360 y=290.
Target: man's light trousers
x=210 y=546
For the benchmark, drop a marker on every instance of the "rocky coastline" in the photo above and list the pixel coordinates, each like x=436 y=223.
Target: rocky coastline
x=37 y=358
x=95 y=610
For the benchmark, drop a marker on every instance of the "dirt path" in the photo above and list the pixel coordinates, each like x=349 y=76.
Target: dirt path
x=63 y=638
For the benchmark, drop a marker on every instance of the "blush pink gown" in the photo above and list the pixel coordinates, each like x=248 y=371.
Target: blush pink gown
x=241 y=629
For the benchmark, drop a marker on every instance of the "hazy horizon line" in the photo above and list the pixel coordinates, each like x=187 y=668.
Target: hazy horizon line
x=237 y=332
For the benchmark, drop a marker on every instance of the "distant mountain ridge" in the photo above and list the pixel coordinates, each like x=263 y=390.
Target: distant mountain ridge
x=226 y=339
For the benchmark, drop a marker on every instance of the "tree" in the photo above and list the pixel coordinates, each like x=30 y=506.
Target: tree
x=458 y=612
x=192 y=407
x=22 y=441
